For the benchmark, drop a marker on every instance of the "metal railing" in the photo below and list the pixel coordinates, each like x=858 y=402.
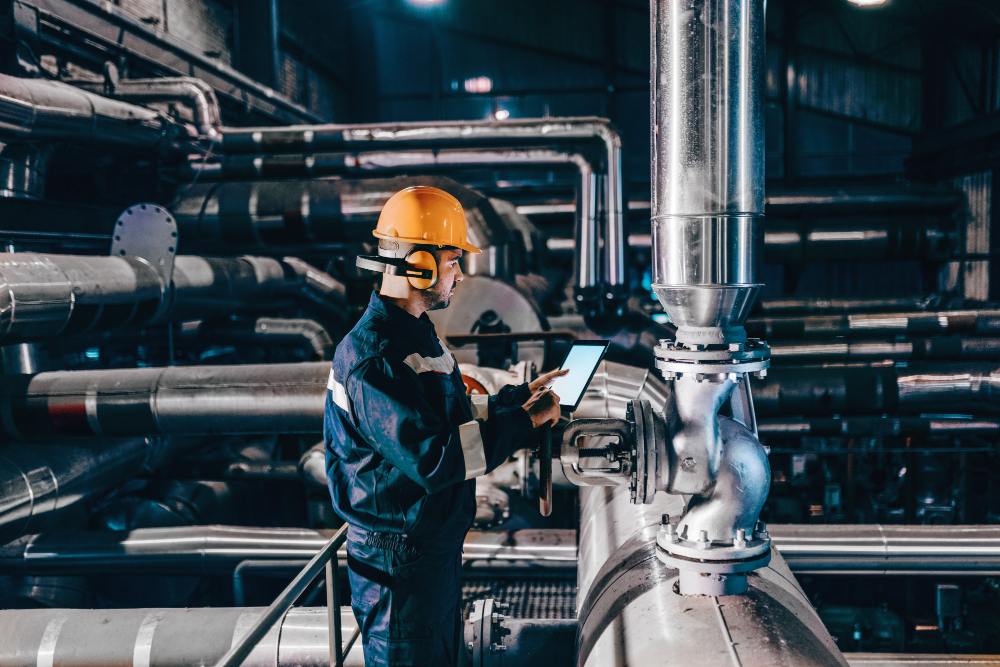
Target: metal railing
x=324 y=560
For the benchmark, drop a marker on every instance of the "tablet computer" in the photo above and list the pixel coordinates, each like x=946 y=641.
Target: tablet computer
x=582 y=362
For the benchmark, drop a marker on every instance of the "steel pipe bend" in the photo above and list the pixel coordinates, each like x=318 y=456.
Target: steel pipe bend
x=741 y=487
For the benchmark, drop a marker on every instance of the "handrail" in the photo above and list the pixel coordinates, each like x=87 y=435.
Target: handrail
x=325 y=559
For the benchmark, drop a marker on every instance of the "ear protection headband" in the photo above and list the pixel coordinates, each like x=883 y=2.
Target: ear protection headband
x=419 y=267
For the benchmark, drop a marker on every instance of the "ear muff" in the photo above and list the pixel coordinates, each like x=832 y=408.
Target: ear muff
x=425 y=261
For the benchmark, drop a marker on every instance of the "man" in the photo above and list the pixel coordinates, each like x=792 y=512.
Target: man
x=404 y=442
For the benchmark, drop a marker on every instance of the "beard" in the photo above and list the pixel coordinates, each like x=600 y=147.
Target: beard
x=438 y=300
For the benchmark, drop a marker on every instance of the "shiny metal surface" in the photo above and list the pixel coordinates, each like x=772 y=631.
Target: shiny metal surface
x=43 y=295
x=920 y=659
x=854 y=325
x=943 y=347
x=513 y=132
x=218 y=549
x=161 y=637
x=23 y=170
x=810 y=549
x=194 y=92
x=252 y=398
x=40 y=481
x=741 y=486
x=707 y=157
x=41 y=109
x=875 y=426
x=629 y=613
x=880 y=388
x=880 y=549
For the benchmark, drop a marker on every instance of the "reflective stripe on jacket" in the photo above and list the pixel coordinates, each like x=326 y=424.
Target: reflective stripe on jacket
x=403 y=440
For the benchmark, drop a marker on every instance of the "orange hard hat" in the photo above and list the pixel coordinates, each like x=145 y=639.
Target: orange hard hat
x=423 y=215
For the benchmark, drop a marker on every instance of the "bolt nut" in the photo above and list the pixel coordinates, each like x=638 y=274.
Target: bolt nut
x=735 y=347
x=741 y=538
x=761 y=374
x=703 y=542
x=688 y=463
x=664 y=519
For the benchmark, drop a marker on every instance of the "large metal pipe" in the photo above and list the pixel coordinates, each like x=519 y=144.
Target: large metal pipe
x=707 y=158
x=807 y=549
x=849 y=427
x=805 y=242
x=264 y=398
x=940 y=348
x=162 y=637
x=629 y=612
x=887 y=549
x=43 y=296
x=218 y=549
x=468 y=134
x=39 y=483
x=40 y=109
x=965 y=388
x=290 y=211
x=852 y=325
x=188 y=89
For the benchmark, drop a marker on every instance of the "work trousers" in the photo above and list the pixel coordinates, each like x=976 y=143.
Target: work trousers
x=406 y=601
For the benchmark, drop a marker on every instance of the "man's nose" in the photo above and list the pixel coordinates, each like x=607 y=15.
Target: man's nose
x=459 y=276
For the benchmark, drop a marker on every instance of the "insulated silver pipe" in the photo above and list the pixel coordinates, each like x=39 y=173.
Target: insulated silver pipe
x=193 y=91
x=629 y=612
x=443 y=134
x=255 y=398
x=268 y=332
x=812 y=549
x=162 y=637
x=847 y=427
x=40 y=482
x=43 y=295
x=707 y=158
x=890 y=549
x=941 y=348
x=852 y=325
x=40 y=109
x=962 y=388
x=218 y=549
x=270 y=214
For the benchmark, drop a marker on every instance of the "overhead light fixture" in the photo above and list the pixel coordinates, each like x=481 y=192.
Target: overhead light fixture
x=426 y=3
x=869 y=3
x=479 y=85
x=501 y=114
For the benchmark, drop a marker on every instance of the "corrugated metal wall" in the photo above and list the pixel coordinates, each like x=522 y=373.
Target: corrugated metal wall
x=978 y=189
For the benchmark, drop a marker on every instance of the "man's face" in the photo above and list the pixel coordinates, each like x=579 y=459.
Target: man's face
x=449 y=276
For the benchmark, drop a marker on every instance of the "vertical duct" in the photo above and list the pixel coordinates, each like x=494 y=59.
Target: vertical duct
x=707 y=162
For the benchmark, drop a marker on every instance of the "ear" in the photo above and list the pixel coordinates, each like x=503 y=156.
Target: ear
x=422 y=259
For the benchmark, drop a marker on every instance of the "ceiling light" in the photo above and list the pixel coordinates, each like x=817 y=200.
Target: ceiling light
x=426 y=3
x=479 y=85
x=869 y=3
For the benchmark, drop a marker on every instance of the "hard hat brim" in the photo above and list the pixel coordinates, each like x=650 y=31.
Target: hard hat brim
x=467 y=247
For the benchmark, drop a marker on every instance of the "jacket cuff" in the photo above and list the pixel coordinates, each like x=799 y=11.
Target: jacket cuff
x=514 y=395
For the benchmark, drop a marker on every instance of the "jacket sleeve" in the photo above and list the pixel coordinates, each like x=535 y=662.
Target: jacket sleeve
x=509 y=396
x=392 y=414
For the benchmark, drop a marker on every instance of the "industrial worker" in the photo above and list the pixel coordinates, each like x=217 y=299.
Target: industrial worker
x=404 y=442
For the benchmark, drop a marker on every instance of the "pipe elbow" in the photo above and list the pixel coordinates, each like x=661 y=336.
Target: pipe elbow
x=740 y=489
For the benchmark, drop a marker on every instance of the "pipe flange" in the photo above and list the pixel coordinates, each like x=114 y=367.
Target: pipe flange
x=714 y=577
x=704 y=550
x=712 y=363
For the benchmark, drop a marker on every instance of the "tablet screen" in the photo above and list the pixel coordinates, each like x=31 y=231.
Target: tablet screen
x=581 y=361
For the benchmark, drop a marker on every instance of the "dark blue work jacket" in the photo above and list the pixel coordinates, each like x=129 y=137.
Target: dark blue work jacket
x=403 y=441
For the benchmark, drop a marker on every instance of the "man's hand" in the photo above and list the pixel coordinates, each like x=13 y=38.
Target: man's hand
x=543 y=408
x=544 y=379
